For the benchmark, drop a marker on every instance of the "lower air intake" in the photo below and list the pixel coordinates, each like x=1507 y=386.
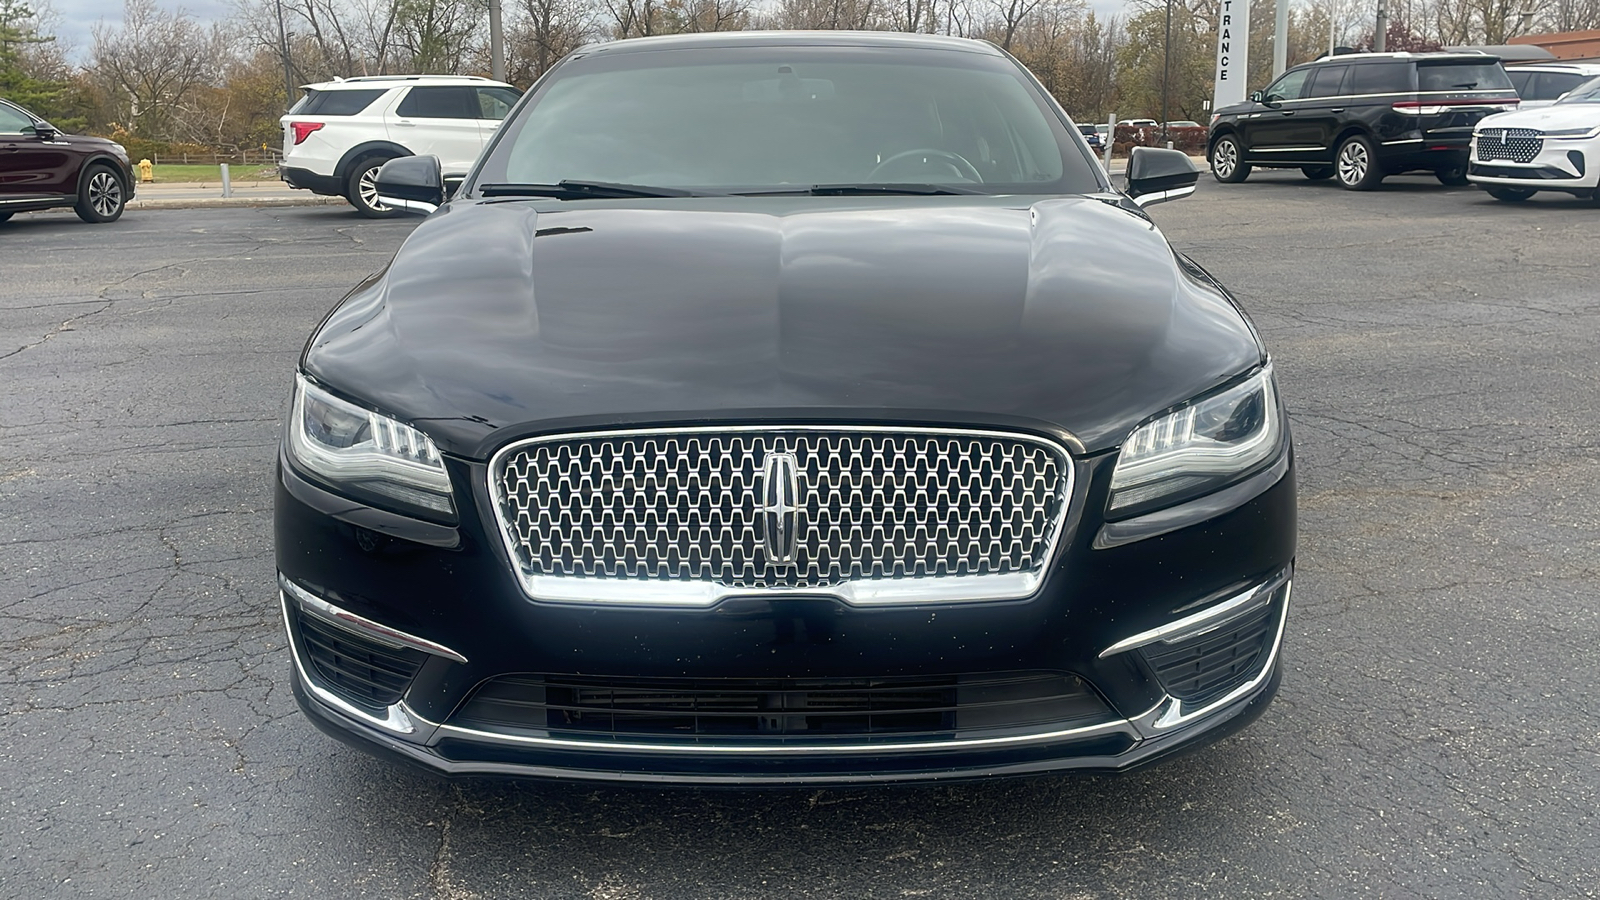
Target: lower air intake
x=361 y=671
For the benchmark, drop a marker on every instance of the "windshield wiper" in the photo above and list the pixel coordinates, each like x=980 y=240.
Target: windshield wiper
x=579 y=190
x=850 y=190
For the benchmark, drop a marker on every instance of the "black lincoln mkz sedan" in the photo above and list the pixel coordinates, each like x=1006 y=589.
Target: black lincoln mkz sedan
x=785 y=408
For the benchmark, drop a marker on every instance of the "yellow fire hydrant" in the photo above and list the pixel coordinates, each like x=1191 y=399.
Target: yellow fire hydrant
x=147 y=172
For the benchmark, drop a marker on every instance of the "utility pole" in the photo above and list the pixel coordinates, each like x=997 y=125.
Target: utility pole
x=1383 y=28
x=283 y=49
x=497 y=43
x=1280 y=40
x=1166 y=73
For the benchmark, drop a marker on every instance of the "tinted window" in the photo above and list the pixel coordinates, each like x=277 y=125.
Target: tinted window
x=786 y=117
x=12 y=121
x=1550 y=85
x=1288 y=87
x=496 y=102
x=440 y=103
x=1522 y=81
x=1327 y=81
x=1380 y=78
x=336 y=103
x=1462 y=77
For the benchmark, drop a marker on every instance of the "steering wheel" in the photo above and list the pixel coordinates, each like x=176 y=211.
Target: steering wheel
x=963 y=168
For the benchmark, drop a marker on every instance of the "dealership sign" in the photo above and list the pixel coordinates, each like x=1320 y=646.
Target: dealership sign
x=1233 y=52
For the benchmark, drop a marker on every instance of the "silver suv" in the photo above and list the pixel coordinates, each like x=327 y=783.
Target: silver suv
x=341 y=132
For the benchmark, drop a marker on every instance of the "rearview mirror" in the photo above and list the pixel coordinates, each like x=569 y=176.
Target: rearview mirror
x=411 y=183
x=1156 y=176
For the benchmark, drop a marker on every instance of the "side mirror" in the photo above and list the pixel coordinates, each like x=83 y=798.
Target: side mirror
x=1156 y=176
x=411 y=183
x=44 y=131
x=1256 y=97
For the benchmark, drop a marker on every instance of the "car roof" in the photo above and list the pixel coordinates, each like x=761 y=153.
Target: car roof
x=388 y=81
x=708 y=40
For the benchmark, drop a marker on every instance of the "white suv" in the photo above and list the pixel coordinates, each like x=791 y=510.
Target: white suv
x=1540 y=84
x=341 y=132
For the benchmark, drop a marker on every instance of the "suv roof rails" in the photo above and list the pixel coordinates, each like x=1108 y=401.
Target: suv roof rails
x=413 y=78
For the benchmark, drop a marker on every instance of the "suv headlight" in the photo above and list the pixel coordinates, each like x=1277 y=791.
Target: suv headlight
x=1206 y=444
x=365 y=453
x=1573 y=133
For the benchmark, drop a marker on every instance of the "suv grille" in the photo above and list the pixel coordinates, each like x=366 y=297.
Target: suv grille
x=756 y=509
x=764 y=709
x=1514 y=144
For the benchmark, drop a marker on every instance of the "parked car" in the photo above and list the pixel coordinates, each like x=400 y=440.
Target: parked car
x=1541 y=84
x=1551 y=148
x=785 y=408
x=1363 y=116
x=1184 y=123
x=1139 y=123
x=42 y=168
x=1091 y=135
x=341 y=132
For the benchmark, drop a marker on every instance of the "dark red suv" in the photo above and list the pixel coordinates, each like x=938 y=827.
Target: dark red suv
x=41 y=168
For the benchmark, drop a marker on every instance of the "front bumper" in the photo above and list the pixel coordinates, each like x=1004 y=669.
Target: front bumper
x=445 y=599
x=1559 y=165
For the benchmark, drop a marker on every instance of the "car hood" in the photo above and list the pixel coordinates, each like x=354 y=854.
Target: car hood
x=1546 y=118
x=1067 y=314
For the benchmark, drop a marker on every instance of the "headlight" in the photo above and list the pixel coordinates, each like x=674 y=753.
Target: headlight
x=363 y=452
x=1201 y=447
x=1570 y=133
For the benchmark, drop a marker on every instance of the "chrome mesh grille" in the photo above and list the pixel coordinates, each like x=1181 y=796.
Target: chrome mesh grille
x=871 y=506
x=1513 y=144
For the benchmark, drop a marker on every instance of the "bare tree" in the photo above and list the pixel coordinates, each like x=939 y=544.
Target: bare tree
x=152 y=64
x=545 y=31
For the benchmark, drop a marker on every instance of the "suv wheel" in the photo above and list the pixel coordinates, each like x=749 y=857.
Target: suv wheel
x=102 y=197
x=361 y=188
x=1226 y=166
x=1355 y=165
x=1455 y=176
x=1511 y=194
x=1317 y=173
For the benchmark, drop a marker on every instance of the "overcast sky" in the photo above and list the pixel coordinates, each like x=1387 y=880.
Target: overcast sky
x=75 y=18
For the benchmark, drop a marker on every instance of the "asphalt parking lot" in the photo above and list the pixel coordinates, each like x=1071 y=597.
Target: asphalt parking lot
x=1436 y=734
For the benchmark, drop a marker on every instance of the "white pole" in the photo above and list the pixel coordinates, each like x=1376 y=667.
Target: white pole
x=227 y=184
x=1280 y=40
x=1111 y=138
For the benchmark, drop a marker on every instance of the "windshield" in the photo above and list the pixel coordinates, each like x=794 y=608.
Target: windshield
x=785 y=118
x=1588 y=92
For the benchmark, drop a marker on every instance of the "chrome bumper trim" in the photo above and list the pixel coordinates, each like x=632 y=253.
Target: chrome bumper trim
x=1205 y=620
x=394 y=720
x=1116 y=726
x=383 y=634
x=1171 y=713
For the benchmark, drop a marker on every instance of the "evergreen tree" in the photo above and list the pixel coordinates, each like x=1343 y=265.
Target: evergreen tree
x=19 y=33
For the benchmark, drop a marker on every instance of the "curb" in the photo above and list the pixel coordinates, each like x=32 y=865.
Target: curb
x=232 y=202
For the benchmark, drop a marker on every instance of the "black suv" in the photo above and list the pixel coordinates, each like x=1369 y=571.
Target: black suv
x=1359 y=117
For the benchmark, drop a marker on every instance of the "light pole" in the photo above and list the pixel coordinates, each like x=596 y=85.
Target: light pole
x=283 y=50
x=497 y=43
x=1166 y=72
x=1380 y=36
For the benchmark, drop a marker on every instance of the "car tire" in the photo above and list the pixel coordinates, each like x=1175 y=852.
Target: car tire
x=1356 y=166
x=1511 y=194
x=361 y=188
x=1227 y=165
x=1455 y=176
x=103 y=196
x=1317 y=173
